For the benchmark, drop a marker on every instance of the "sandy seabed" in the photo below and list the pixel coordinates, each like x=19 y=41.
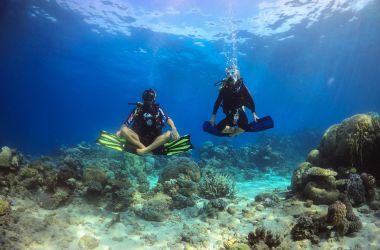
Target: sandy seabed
x=66 y=227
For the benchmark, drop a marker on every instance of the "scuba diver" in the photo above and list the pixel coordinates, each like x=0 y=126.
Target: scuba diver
x=233 y=97
x=142 y=132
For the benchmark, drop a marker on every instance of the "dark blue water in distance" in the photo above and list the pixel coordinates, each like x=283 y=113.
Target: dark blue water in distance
x=64 y=78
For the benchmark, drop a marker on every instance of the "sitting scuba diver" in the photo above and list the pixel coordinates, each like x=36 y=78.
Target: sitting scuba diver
x=142 y=132
x=233 y=96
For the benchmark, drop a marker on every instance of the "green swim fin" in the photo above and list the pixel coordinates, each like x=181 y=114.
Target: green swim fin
x=111 y=141
x=115 y=142
x=178 y=146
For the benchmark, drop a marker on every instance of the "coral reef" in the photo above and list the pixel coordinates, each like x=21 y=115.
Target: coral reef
x=270 y=152
x=179 y=179
x=203 y=188
x=340 y=218
x=328 y=170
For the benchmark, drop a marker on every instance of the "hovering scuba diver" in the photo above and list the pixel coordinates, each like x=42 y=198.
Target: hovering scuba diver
x=233 y=97
x=142 y=132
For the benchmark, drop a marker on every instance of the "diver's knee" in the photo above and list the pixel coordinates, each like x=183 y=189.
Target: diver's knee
x=125 y=131
x=167 y=135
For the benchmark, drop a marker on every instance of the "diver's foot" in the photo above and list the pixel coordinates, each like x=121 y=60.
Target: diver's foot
x=141 y=151
x=228 y=130
x=236 y=131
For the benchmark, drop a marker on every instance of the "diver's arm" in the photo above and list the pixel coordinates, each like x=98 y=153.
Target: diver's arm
x=250 y=103
x=170 y=122
x=174 y=131
x=129 y=120
x=216 y=107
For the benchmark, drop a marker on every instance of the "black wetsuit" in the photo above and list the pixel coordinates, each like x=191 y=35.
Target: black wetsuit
x=233 y=97
x=147 y=122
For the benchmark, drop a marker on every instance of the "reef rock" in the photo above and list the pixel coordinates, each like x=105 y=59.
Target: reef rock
x=5 y=210
x=157 y=208
x=370 y=186
x=212 y=208
x=315 y=183
x=88 y=242
x=314 y=157
x=70 y=168
x=354 y=142
x=181 y=166
x=305 y=229
x=356 y=190
x=340 y=218
x=8 y=158
x=53 y=200
x=180 y=180
x=336 y=213
x=94 y=179
x=297 y=179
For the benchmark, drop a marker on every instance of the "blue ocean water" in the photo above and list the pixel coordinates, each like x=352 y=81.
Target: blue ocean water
x=68 y=68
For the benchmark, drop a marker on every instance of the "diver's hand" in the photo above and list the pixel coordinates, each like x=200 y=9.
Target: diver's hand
x=175 y=134
x=255 y=117
x=212 y=120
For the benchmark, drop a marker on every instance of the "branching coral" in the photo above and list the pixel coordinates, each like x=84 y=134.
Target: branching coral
x=262 y=236
x=217 y=185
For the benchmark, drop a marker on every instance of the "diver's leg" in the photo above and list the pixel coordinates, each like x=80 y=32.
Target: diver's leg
x=158 y=142
x=242 y=124
x=224 y=125
x=237 y=131
x=130 y=136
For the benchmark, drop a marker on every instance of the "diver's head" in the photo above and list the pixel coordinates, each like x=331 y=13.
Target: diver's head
x=232 y=74
x=149 y=96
